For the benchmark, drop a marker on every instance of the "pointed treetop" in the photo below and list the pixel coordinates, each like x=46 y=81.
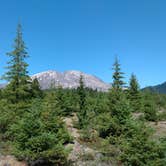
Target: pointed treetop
x=117 y=76
x=133 y=85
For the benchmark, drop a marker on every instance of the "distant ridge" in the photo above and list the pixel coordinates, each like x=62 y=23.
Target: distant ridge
x=161 y=88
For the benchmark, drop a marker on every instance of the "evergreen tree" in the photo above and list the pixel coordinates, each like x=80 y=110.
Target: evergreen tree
x=116 y=92
x=65 y=100
x=138 y=148
x=118 y=103
x=36 y=90
x=51 y=103
x=82 y=93
x=134 y=93
x=17 y=74
x=117 y=76
x=134 y=86
x=82 y=103
x=149 y=107
x=39 y=137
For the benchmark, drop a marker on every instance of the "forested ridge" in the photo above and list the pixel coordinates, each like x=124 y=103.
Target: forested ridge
x=116 y=126
x=161 y=88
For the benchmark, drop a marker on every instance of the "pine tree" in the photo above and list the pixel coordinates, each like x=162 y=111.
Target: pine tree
x=17 y=74
x=82 y=103
x=134 y=93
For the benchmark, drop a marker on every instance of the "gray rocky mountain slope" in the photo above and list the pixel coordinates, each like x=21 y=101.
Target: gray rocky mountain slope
x=69 y=79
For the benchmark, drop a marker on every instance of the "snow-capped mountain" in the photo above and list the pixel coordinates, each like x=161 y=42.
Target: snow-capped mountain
x=69 y=79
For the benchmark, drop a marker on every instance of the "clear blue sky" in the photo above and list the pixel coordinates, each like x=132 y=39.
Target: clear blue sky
x=87 y=34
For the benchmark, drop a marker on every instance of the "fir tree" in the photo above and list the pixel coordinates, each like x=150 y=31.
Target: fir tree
x=134 y=93
x=39 y=137
x=17 y=74
x=149 y=107
x=82 y=103
x=118 y=103
x=36 y=90
x=116 y=92
x=134 y=86
x=51 y=103
x=65 y=100
x=117 y=76
x=82 y=93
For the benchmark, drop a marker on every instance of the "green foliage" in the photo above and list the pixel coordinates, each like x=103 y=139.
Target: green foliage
x=159 y=100
x=17 y=66
x=149 y=108
x=6 y=117
x=117 y=76
x=82 y=114
x=121 y=109
x=134 y=94
x=82 y=94
x=18 y=88
x=97 y=102
x=40 y=135
x=137 y=148
x=134 y=86
x=111 y=124
x=10 y=113
x=162 y=116
x=32 y=120
x=51 y=103
x=36 y=90
x=118 y=103
x=103 y=125
x=17 y=93
x=66 y=101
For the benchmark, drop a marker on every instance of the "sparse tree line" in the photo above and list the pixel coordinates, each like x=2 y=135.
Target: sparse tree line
x=32 y=127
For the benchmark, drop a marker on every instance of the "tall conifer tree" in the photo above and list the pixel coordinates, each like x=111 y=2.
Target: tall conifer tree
x=118 y=103
x=116 y=92
x=81 y=92
x=134 y=93
x=134 y=86
x=17 y=74
x=82 y=102
x=36 y=89
x=117 y=76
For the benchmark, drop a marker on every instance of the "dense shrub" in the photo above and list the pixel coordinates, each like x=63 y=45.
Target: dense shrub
x=138 y=149
x=37 y=136
x=149 y=108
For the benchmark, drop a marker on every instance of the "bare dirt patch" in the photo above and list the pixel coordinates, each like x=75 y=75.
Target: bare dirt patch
x=160 y=128
x=10 y=161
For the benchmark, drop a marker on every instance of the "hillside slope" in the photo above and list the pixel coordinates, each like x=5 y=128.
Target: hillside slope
x=161 y=88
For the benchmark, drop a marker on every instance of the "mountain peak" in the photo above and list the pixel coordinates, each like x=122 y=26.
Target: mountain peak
x=69 y=79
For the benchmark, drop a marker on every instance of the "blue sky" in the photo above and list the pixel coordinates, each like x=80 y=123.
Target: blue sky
x=87 y=34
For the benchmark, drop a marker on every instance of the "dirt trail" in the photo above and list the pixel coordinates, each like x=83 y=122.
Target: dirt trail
x=69 y=123
x=78 y=149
